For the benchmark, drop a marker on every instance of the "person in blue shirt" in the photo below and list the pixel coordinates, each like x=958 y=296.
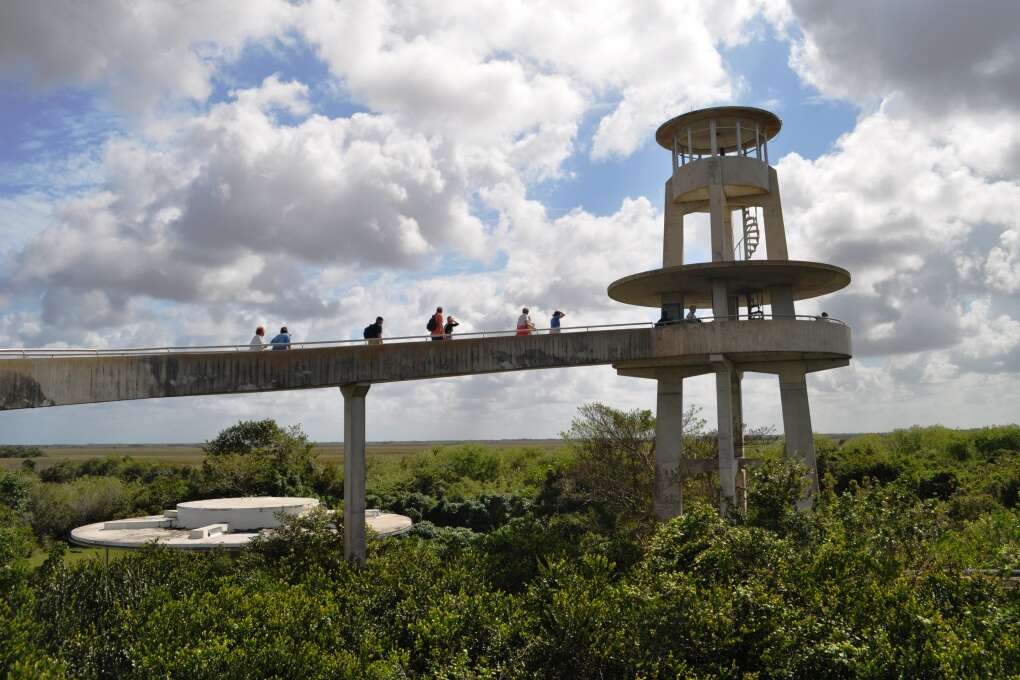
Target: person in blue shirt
x=281 y=341
x=554 y=323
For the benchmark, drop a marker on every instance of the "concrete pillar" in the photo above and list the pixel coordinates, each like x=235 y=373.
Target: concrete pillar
x=354 y=471
x=672 y=305
x=673 y=230
x=720 y=301
x=781 y=299
x=772 y=216
x=667 y=496
x=717 y=209
x=733 y=307
x=727 y=233
x=800 y=443
x=724 y=418
x=737 y=402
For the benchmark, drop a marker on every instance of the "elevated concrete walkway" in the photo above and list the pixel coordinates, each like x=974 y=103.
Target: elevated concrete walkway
x=34 y=381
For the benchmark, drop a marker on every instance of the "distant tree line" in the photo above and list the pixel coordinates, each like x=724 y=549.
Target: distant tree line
x=18 y=451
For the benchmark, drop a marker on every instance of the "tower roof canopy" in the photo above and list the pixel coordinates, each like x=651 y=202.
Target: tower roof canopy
x=726 y=118
x=695 y=281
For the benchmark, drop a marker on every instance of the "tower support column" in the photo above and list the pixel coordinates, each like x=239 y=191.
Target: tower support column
x=800 y=443
x=724 y=377
x=673 y=230
x=772 y=215
x=354 y=471
x=737 y=401
x=667 y=496
x=717 y=209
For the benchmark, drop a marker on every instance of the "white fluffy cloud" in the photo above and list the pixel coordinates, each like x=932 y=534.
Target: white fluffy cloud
x=500 y=71
x=142 y=52
x=941 y=55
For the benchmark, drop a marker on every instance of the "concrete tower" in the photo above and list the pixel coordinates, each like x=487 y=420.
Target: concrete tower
x=721 y=167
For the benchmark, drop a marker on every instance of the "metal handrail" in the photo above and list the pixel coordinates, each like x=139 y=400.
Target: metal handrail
x=55 y=352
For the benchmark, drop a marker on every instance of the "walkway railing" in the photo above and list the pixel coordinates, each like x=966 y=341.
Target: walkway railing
x=60 y=352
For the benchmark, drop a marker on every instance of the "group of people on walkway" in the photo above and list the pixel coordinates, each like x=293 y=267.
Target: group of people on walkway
x=280 y=341
x=525 y=326
x=438 y=330
x=439 y=327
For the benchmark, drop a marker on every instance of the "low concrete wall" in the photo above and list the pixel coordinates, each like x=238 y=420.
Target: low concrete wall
x=30 y=383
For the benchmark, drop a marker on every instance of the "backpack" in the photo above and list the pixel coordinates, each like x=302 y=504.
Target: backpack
x=366 y=332
x=431 y=325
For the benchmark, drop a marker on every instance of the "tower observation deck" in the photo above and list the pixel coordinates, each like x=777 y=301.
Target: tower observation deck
x=721 y=167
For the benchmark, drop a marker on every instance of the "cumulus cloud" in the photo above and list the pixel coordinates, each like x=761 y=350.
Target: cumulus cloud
x=238 y=201
x=910 y=218
x=140 y=51
x=497 y=71
x=941 y=55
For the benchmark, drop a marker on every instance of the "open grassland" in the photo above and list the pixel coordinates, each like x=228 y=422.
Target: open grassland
x=192 y=454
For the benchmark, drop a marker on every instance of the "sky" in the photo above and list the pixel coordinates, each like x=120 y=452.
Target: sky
x=179 y=173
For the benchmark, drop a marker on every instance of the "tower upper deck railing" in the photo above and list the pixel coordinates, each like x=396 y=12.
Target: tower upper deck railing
x=742 y=131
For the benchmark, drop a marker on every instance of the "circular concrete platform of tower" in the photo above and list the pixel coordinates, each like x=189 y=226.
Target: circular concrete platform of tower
x=695 y=281
x=726 y=118
x=226 y=523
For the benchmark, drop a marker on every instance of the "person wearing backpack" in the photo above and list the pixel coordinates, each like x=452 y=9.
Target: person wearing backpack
x=435 y=324
x=373 y=332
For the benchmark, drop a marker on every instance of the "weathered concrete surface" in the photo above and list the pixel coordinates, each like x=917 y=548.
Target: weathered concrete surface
x=35 y=382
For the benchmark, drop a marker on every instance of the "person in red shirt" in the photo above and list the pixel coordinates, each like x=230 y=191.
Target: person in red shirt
x=437 y=325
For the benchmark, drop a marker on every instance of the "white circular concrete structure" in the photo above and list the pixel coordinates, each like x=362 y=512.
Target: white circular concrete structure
x=242 y=514
x=229 y=523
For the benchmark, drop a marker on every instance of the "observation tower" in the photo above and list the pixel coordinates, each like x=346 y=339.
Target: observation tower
x=745 y=298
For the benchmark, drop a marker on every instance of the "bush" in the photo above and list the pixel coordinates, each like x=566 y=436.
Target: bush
x=14 y=490
x=941 y=484
x=259 y=458
x=992 y=439
x=55 y=509
x=776 y=488
x=16 y=451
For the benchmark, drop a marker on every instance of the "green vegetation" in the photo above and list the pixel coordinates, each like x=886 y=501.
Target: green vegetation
x=536 y=563
x=15 y=451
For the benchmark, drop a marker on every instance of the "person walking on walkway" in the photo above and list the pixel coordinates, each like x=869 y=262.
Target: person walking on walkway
x=451 y=323
x=524 y=325
x=373 y=332
x=258 y=341
x=554 y=322
x=692 y=315
x=282 y=340
x=435 y=324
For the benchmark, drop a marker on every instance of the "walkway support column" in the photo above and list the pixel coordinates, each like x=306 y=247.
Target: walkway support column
x=724 y=417
x=354 y=471
x=800 y=442
x=667 y=496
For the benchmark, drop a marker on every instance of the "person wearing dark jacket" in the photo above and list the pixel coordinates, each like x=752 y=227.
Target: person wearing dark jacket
x=373 y=332
x=451 y=323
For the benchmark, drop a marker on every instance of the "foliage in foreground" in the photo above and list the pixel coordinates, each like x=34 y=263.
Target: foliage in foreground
x=544 y=574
